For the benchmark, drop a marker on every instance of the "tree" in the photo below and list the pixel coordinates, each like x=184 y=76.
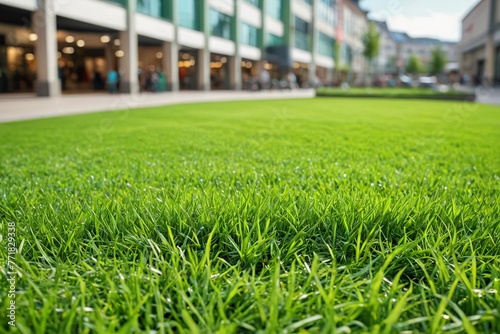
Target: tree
x=371 y=43
x=414 y=65
x=438 y=61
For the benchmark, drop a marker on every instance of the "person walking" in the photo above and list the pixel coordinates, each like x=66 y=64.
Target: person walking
x=112 y=80
x=264 y=80
x=292 y=81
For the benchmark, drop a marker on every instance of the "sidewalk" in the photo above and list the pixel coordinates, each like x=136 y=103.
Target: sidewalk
x=485 y=95
x=24 y=107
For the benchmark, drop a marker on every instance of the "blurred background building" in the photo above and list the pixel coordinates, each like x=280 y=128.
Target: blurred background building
x=422 y=47
x=53 y=46
x=480 y=44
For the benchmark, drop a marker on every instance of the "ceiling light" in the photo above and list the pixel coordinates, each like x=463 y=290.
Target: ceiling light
x=117 y=42
x=33 y=37
x=70 y=39
x=119 y=53
x=80 y=43
x=105 y=39
x=159 y=55
x=68 y=50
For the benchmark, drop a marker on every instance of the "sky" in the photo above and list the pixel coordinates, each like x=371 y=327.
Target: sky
x=422 y=18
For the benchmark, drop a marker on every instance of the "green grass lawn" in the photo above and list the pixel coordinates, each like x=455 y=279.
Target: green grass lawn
x=295 y=216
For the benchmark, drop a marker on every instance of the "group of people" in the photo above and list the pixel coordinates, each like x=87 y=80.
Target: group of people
x=152 y=80
x=265 y=82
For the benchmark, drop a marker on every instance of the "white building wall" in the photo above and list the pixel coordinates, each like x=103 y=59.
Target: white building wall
x=96 y=12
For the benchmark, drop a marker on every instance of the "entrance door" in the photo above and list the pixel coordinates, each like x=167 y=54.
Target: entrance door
x=480 y=72
x=497 y=66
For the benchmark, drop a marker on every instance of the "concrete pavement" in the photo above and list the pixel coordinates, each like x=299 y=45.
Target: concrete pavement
x=24 y=107
x=488 y=95
x=484 y=95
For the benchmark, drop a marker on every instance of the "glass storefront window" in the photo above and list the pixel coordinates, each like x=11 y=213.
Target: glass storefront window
x=274 y=8
x=189 y=16
x=249 y=35
x=220 y=24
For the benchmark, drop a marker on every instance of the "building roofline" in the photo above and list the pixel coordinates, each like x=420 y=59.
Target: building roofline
x=356 y=7
x=471 y=10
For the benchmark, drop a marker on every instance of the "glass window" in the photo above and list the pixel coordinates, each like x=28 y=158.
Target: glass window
x=249 y=35
x=326 y=12
x=189 y=16
x=220 y=24
x=120 y=2
x=326 y=45
x=301 y=34
x=274 y=8
x=253 y=2
x=156 y=8
x=273 y=40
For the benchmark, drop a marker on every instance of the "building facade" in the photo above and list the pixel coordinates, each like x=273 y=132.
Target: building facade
x=422 y=47
x=479 y=46
x=49 y=46
x=385 y=63
x=354 y=26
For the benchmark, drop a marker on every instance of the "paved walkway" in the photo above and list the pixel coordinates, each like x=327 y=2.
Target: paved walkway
x=488 y=95
x=485 y=95
x=23 y=107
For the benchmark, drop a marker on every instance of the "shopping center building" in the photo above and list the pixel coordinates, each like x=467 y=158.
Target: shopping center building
x=49 y=47
x=479 y=47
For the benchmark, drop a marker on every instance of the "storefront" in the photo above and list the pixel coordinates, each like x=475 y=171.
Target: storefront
x=219 y=72
x=301 y=72
x=188 y=69
x=249 y=75
x=17 y=60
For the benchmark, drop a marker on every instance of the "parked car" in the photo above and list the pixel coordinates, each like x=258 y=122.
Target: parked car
x=427 y=82
x=405 y=81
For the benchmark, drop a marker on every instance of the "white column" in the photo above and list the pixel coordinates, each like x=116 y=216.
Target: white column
x=489 y=64
x=129 y=81
x=203 y=67
x=170 y=64
x=45 y=25
x=203 y=61
x=235 y=62
x=235 y=72
x=314 y=44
